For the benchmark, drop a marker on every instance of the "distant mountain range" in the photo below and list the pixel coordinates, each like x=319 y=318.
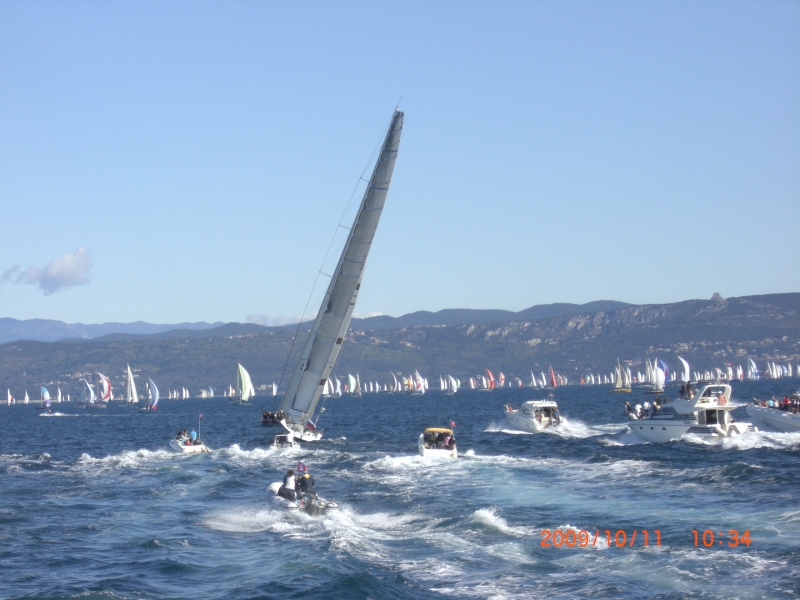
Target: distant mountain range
x=44 y=330
x=706 y=332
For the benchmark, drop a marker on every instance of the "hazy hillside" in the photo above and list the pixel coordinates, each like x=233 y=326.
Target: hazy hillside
x=707 y=333
x=46 y=330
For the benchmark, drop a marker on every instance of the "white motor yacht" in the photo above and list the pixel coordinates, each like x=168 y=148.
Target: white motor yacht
x=533 y=415
x=780 y=420
x=705 y=414
x=438 y=441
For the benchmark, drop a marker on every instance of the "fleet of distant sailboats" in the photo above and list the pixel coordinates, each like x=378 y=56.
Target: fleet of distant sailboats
x=97 y=391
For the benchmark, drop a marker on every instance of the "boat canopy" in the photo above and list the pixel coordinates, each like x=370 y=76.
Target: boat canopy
x=438 y=430
x=540 y=404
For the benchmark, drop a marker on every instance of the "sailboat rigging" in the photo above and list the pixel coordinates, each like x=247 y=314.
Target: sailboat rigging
x=330 y=327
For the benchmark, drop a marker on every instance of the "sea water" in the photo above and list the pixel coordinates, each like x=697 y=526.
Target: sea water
x=94 y=505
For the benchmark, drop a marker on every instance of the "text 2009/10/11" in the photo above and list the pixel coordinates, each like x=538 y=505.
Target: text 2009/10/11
x=620 y=538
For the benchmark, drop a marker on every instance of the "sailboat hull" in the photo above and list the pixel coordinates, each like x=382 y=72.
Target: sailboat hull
x=304 y=435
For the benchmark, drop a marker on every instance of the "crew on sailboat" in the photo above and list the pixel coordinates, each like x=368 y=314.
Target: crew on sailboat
x=270 y=419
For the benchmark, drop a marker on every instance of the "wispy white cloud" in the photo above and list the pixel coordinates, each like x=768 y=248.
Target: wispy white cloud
x=69 y=270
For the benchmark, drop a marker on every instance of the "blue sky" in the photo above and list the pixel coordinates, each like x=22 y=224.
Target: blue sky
x=186 y=161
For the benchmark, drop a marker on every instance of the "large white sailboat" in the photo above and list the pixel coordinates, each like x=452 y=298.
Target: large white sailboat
x=330 y=327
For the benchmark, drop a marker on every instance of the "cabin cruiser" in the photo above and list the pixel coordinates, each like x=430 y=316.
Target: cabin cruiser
x=284 y=440
x=184 y=444
x=438 y=441
x=705 y=414
x=786 y=421
x=534 y=415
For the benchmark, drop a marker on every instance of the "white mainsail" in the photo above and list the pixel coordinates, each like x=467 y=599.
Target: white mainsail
x=132 y=397
x=244 y=385
x=153 y=393
x=92 y=396
x=330 y=327
x=453 y=384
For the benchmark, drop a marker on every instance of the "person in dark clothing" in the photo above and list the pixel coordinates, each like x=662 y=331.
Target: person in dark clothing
x=305 y=484
x=683 y=391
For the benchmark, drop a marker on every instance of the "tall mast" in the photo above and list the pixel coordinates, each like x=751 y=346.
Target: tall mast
x=333 y=319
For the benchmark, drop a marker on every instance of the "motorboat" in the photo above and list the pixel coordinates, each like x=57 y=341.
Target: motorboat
x=780 y=420
x=534 y=415
x=705 y=414
x=438 y=441
x=184 y=444
x=310 y=503
x=284 y=440
x=188 y=447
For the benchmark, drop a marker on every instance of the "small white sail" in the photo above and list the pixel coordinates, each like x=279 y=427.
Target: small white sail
x=153 y=393
x=132 y=397
x=453 y=384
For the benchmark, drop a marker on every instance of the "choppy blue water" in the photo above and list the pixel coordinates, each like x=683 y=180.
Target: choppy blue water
x=94 y=505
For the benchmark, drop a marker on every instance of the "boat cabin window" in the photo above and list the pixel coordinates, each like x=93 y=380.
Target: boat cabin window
x=666 y=412
x=711 y=417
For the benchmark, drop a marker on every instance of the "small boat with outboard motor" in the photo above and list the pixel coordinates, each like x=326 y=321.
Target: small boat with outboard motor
x=534 y=415
x=303 y=497
x=438 y=441
x=781 y=416
x=706 y=414
x=186 y=443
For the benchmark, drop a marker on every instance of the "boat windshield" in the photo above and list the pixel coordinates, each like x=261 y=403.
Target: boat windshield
x=438 y=438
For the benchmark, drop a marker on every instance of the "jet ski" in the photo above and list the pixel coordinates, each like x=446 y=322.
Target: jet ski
x=309 y=503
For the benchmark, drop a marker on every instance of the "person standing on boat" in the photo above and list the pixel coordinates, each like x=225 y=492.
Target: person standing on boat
x=288 y=488
x=305 y=484
x=193 y=435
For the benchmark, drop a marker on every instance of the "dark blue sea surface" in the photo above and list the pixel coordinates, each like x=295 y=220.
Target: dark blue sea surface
x=94 y=505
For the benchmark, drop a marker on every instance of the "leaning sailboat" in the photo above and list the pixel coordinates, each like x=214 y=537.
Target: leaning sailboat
x=330 y=327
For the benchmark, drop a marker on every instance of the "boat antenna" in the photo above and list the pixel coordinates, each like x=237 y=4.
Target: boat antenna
x=199 y=418
x=328 y=254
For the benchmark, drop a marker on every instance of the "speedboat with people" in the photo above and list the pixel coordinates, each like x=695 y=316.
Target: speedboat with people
x=297 y=493
x=438 y=441
x=782 y=415
x=533 y=415
x=188 y=443
x=706 y=414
